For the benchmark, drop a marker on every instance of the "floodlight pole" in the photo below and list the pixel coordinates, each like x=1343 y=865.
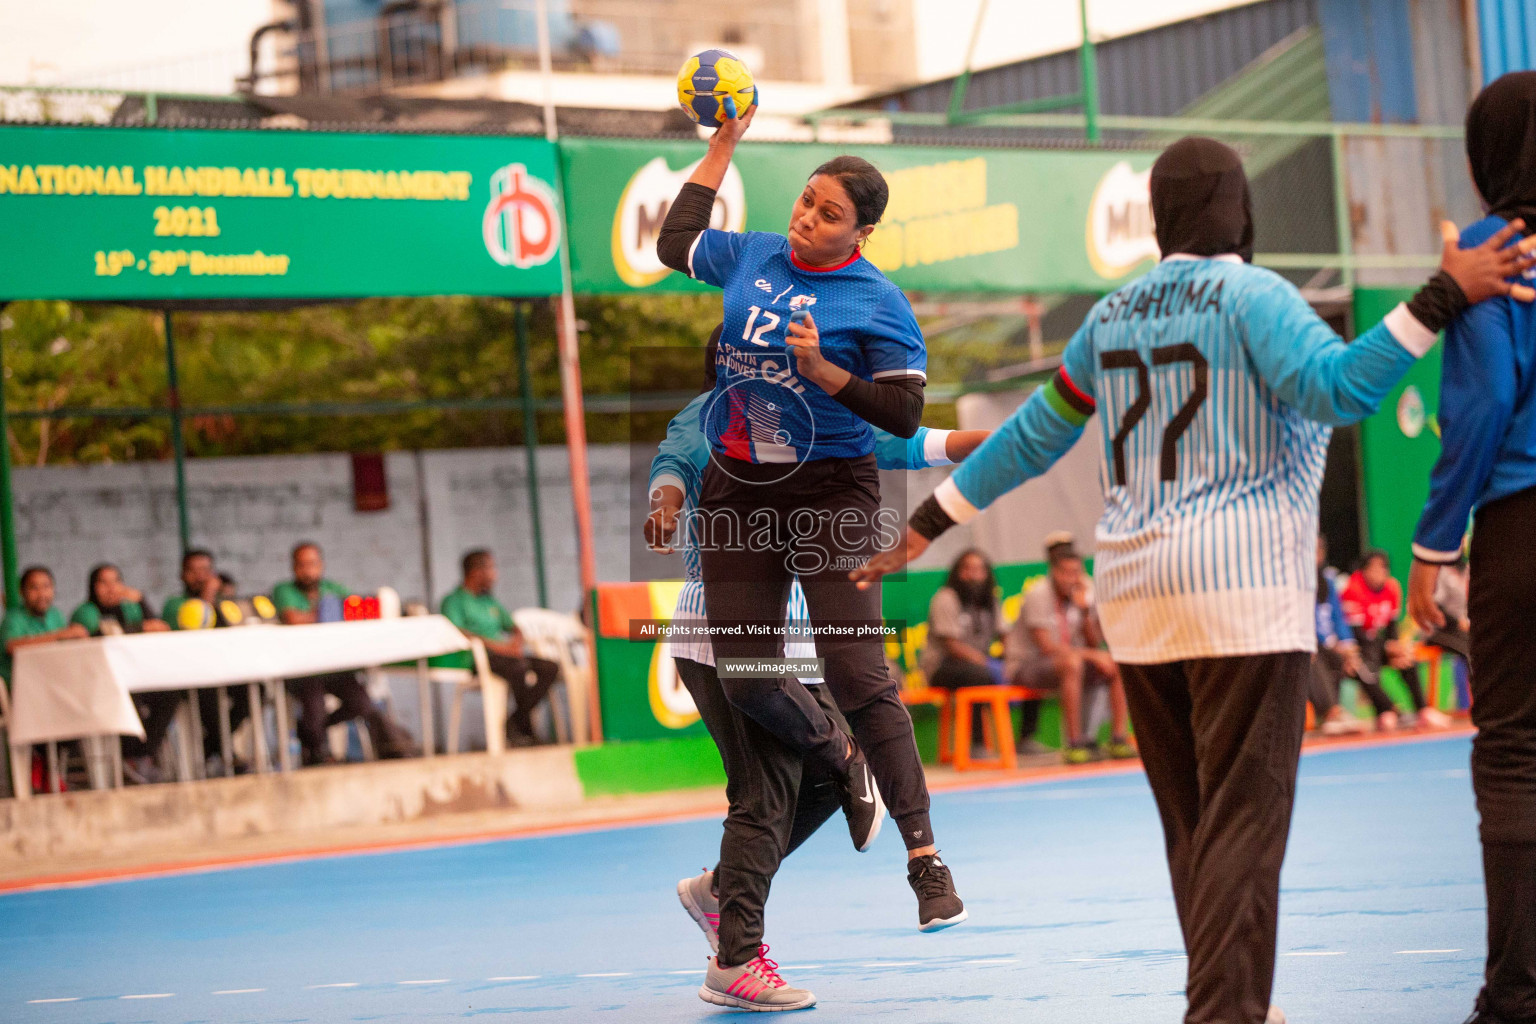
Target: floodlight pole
x=178 y=443
x=570 y=385
x=7 y=511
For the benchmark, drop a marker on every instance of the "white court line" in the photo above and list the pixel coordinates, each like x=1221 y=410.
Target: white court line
x=1332 y=952
x=150 y=995
x=515 y=977
x=691 y=970
x=1410 y=952
x=237 y=991
x=426 y=981
x=607 y=974
x=1004 y=961
x=56 y=999
x=335 y=984
x=1096 y=960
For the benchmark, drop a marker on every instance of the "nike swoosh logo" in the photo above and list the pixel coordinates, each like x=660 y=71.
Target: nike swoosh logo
x=869 y=798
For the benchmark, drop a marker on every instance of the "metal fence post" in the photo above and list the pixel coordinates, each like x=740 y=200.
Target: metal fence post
x=178 y=443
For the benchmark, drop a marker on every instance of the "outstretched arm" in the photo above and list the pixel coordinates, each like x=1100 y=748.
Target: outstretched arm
x=1312 y=370
x=1025 y=446
x=688 y=217
x=675 y=473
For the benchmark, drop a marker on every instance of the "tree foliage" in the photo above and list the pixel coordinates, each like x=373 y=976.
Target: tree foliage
x=67 y=356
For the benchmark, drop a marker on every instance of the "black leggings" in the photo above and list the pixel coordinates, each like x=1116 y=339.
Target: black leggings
x=1503 y=592
x=764 y=782
x=1220 y=739
x=757 y=530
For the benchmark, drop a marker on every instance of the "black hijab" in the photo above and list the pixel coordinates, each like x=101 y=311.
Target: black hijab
x=1501 y=145
x=1200 y=202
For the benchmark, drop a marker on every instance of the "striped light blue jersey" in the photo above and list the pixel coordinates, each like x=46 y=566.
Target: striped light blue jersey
x=1217 y=385
x=681 y=460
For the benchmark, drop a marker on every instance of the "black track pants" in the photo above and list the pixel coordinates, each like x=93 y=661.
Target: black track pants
x=776 y=803
x=824 y=514
x=1220 y=739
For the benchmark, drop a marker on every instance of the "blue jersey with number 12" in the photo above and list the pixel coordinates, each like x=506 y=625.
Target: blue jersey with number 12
x=761 y=409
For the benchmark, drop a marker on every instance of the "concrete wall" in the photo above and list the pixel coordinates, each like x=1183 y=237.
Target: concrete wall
x=251 y=511
x=315 y=806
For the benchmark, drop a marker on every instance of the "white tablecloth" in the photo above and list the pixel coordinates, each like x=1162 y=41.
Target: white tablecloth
x=81 y=687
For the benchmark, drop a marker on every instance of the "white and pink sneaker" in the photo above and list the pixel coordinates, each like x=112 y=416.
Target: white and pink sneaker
x=755 y=985
x=697 y=896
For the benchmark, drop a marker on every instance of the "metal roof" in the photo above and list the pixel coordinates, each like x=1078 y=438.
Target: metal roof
x=1158 y=72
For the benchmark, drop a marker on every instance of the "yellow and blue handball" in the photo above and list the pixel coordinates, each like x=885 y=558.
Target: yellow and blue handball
x=196 y=614
x=714 y=86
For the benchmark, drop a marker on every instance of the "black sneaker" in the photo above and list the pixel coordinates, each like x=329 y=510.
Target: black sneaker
x=862 y=805
x=938 y=905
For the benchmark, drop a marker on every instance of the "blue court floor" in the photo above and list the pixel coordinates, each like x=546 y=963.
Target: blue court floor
x=1071 y=920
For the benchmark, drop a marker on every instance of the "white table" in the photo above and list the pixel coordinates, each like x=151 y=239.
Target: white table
x=80 y=688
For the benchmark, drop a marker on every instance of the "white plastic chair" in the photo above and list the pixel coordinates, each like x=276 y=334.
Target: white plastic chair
x=561 y=638
x=493 y=698
x=493 y=690
x=20 y=757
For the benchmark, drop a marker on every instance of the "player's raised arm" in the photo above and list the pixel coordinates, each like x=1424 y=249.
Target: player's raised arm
x=688 y=218
x=1315 y=372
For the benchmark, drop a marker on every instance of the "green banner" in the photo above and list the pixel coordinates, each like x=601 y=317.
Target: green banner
x=1400 y=443
x=643 y=698
x=959 y=220
x=135 y=213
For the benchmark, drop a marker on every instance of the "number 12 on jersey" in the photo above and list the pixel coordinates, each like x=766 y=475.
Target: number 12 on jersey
x=770 y=321
x=1166 y=355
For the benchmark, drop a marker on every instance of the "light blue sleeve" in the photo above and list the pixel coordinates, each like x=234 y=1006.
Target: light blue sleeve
x=1031 y=440
x=892 y=452
x=1309 y=366
x=684 y=452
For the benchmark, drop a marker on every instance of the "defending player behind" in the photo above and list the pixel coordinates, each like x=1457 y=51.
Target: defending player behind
x=1218 y=385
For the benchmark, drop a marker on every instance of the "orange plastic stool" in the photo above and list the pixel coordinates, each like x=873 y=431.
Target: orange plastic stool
x=1431 y=656
x=997 y=733
x=941 y=700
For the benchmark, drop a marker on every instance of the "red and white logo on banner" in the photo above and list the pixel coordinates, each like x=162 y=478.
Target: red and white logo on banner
x=522 y=222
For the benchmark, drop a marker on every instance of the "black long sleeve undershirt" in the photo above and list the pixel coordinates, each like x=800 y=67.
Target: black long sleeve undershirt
x=686 y=219
x=895 y=406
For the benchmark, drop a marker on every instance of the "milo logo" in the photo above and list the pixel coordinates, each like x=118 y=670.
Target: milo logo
x=1120 y=235
x=644 y=205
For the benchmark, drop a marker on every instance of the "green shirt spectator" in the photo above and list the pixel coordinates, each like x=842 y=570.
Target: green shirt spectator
x=130 y=614
x=479 y=614
x=198 y=582
x=35 y=620
x=18 y=623
x=288 y=597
